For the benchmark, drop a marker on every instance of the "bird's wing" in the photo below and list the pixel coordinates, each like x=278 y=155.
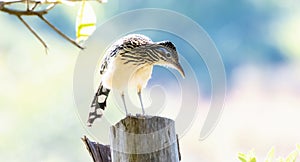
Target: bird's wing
x=123 y=45
x=109 y=56
x=105 y=61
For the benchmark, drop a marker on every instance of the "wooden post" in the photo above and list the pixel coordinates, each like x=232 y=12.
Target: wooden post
x=144 y=138
x=99 y=152
x=138 y=139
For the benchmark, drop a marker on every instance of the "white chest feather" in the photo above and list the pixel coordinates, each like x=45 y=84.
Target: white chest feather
x=120 y=76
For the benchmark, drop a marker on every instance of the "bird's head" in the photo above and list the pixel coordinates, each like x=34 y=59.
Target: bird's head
x=140 y=50
x=168 y=56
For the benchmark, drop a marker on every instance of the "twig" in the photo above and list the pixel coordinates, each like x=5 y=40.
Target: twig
x=34 y=33
x=45 y=1
x=59 y=32
x=34 y=6
x=31 y=5
x=22 y=13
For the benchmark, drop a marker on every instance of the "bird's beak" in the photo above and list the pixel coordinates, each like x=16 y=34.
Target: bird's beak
x=179 y=68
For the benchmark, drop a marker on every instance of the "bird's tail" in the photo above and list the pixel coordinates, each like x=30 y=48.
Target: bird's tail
x=99 y=102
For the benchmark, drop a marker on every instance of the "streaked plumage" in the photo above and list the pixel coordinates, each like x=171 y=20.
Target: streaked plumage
x=128 y=63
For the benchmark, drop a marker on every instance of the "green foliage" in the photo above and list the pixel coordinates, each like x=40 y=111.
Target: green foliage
x=270 y=156
x=85 y=22
x=250 y=156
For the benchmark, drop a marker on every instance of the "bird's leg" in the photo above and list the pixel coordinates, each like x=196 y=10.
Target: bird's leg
x=140 y=97
x=123 y=99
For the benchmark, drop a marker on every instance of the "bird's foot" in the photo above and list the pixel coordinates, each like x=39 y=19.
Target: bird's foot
x=142 y=115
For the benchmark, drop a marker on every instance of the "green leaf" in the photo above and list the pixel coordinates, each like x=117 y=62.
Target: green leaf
x=253 y=159
x=292 y=156
x=280 y=159
x=249 y=157
x=270 y=156
x=242 y=157
x=85 y=22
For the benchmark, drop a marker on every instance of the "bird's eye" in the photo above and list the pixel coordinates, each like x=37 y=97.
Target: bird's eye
x=168 y=54
x=164 y=51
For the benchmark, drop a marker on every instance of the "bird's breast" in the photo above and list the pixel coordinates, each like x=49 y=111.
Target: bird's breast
x=121 y=75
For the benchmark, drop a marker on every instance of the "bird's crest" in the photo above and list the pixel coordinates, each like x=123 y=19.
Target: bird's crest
x=168 y=44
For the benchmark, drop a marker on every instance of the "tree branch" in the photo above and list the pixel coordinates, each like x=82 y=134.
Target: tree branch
x=34 y=6
x=46 y=1
x=59 y=32
x=22 y=13
x=29 y=10
x=33 y=32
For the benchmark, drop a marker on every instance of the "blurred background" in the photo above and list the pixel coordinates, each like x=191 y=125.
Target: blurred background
x=258 y=42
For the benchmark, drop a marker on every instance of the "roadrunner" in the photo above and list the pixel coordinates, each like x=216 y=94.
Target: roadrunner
x=128 y=63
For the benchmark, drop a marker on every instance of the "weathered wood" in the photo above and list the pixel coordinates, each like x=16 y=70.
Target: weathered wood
x=140 y=139
x=99 y=152
x=143 y=139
